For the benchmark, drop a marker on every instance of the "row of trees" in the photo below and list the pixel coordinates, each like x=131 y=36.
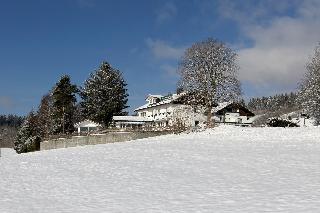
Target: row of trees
x=272 y=103
x=11 y=120
x=9 y=125
x=103 y=95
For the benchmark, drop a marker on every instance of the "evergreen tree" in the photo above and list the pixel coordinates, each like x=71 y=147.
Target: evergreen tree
x=44 y=121
x=63 y=101
x=28 y=138
x=11 y=121
x=78 y=115
x=309 y=94
x=272 y=103
x=9 y=125
x=104 y=95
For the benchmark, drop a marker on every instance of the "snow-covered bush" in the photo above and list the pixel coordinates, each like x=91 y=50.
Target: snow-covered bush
x=28 y=139
x=181 y=119
x=278 y=122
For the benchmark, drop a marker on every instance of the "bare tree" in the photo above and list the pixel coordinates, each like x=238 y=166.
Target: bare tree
x=208 y=73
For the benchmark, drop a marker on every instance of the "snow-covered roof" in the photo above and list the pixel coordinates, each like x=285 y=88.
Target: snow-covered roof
x=154 y=96
x=131 y=118
x=87 y=123
x=221 y=106
x=142 y=107
x=242 y=110
x=163 y=100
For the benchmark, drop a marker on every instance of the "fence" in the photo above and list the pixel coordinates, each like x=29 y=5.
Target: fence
x=110 y=137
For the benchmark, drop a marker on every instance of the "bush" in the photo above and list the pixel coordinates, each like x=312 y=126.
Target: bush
x=278 y=122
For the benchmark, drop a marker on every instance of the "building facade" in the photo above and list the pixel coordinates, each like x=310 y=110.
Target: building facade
x=164 y=112
x=233 y=113
x=87 y=126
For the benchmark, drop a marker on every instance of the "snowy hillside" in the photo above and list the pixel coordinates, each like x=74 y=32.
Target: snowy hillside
x=228 y=169
x=296 y=118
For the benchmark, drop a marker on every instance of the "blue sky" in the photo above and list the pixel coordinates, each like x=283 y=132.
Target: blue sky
x=42 y=39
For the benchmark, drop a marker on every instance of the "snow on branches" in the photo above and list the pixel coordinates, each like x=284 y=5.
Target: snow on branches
x=208 y=71
x=309 y=94
x=104 y=94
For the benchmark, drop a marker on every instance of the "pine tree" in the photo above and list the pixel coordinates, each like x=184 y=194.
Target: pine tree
x=78 y=115
x=28 y=138
x=208 y=71
x=44 y=121
x=309 y=94
x=63 y=101
x=104 y=95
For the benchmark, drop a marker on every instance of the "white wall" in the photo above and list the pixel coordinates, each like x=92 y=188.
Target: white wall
x=234 y=118
x=167 y=112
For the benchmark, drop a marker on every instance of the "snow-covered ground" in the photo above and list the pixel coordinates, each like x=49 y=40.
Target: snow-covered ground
x=296 y=118
x=5 y=152
x=228 y=169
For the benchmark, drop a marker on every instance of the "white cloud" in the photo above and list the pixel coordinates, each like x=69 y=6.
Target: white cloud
x=281 y=47
x=166 y=13
x=6 y=102
x=279 y=53
x=162 y=50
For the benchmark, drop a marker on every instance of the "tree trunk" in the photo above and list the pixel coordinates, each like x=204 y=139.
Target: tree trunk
x=210 y=122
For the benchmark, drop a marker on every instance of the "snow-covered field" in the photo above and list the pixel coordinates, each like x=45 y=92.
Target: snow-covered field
x=228 y=169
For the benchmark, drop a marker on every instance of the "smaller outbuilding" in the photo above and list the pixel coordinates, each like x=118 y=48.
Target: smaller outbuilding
x=233 y=113
x=131 y=122
x=87 y=126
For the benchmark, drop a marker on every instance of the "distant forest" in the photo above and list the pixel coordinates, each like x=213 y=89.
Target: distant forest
x=273 y=106
x=9 y=125
x=274 y=103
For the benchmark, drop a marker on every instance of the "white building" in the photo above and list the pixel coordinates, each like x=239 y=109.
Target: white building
x=130 y=122
x=87 y=126
x=164 y=111
x=232 y=113
x=160 y=112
